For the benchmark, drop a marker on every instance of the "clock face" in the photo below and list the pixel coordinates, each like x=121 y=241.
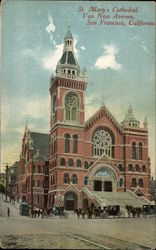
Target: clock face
x=71 y=101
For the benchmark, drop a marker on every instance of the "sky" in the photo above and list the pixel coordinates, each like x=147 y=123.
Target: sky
x=119 y=60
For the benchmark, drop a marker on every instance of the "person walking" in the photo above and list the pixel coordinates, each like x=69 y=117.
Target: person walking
x=8 y=211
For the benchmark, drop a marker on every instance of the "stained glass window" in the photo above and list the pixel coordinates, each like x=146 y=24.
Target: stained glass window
x=102 y=143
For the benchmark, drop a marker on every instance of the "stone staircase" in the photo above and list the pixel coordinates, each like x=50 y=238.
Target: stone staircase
x=116 y=198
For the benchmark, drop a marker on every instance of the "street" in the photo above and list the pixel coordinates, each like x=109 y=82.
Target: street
x=72 y=233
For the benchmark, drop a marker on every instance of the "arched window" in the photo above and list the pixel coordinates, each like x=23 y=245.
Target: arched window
x=130 y=167
x=54 y=109
x=75 y=144
x=74 y=179
x=39 y=169
x=140 y=151
x=53 y=140
x=62 y=162
x=53 y=179
x=66 y=178
x=86 y=180
x=71 y=105
x=86 y=165
x=67 y=143
x=137 y=168
x=70 y=163
x=133 y=183
x=38 y=183
x=120 y=182
x=78 y=163
x=120 y=167
x=141 y=182
x=133 y=150
x=102 y=143
x=143 y=168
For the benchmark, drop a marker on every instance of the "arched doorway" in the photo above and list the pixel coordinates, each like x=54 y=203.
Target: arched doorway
x=70 y=201
x=104 y=179
x=92 y=205
x=85 y=204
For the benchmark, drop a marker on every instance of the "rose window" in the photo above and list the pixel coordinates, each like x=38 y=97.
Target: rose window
x=102 y=143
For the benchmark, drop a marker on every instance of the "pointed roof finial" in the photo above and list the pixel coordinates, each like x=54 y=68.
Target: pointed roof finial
x=130 y=109
x=26 y=126
x=103 y=102
x=68 y=35
x=145 y=123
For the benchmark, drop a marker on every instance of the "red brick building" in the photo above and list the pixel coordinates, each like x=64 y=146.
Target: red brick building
x=98 y=161
x=33 y=177
x=94 y=161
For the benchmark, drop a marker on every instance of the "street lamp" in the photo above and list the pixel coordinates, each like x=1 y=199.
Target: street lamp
x=32 y=183
x=6 y=188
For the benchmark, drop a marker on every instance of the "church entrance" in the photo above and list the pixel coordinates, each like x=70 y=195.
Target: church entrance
x=85 y=204
x=70 y=201
x=104 y=179
x=97 y=185
x=108 y=186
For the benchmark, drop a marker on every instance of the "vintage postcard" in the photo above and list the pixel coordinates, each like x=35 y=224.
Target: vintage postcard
x=77 y=125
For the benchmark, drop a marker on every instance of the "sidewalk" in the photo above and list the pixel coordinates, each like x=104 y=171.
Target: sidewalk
x=14 y=207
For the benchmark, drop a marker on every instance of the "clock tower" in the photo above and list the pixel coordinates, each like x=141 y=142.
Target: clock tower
x=67 y=129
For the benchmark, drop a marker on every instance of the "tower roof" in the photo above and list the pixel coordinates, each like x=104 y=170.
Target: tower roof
x=130 y=120
x=68 y=63
x=68 y=57
x=68 y=35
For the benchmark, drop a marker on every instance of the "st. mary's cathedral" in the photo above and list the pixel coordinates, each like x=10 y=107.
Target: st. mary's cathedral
x=98 y=162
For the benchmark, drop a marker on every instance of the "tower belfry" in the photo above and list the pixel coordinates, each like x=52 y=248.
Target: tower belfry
x=68 y=66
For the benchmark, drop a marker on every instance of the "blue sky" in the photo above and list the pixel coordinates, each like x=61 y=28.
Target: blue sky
x=119 y=62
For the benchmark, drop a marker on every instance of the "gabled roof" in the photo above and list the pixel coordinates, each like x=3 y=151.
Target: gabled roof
x=39 y=157
x=15 y=165
x=103 y=111
x=41 y=143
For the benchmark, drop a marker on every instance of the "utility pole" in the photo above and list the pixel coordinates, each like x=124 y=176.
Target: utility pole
x=6 y=188
x=32 y=183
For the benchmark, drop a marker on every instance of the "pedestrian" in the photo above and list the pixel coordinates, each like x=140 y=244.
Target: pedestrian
x=42 y=213
x=8 y=211
x=39 y=213
x=83 y=214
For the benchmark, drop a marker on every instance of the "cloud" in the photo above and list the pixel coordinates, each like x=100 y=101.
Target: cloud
x=50 y=28
x=76 y=38
x=107 y=59
x=83 y=48
x=34 y=53
x=51 y=60
x=32 y=110
x=144 y=48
